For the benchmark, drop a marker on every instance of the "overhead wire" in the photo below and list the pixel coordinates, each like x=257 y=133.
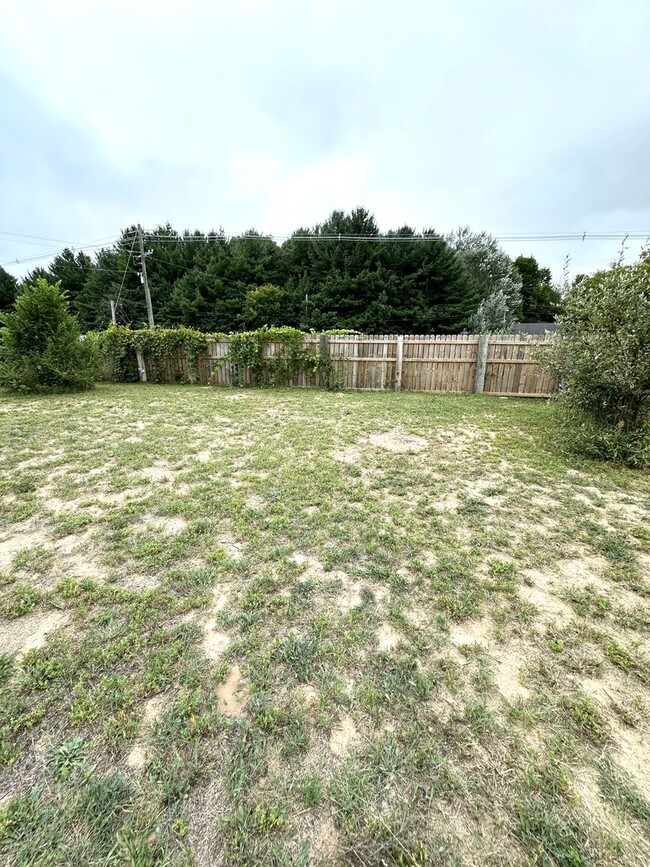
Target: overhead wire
x=382 y=238
x=213 y=237
x=126 y=268
x=76 y=248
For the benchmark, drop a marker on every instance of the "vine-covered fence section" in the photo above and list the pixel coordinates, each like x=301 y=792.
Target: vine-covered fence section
x=506 y=365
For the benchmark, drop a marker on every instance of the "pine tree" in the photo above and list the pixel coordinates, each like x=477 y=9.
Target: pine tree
x=8 y=289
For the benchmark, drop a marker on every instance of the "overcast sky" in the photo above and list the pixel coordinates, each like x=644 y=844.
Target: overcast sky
x=507 y=115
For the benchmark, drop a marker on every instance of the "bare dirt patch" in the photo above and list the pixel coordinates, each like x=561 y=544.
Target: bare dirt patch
x=399 y=442
x=309 y=695
x=586 y=573
x=115 y=498
x=509 y=662
x=348 y=455
x=140 y=581
x=72 y=555
x=387 y=638
x=344 y=737
x=78 y=565
x=446 y=502
x=159 y=472
x=584 y=783
x=583 y=570
x=350 y=596
x=31 y=631
x=26 y=537
x=418 y=617
x=167 y=526
x=542 y=591
x=459 y=440
x=604 y=690
x=220 y=600
x=232 y=695
x=471 y=632
x=632 y=753
x=137 y=757
x=215 y=642
x=549 y=606
x=324 y=840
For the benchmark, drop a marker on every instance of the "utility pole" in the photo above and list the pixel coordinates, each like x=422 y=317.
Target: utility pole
x=143 y=277
x=113 y=312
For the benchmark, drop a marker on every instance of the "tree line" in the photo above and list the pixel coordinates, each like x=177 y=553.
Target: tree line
x=320 y=278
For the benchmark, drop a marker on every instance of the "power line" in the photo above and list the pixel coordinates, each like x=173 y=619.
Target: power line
x=212 y=238
x=79 y=248
x=126 y=268
x=53 y=240
x=404 y=239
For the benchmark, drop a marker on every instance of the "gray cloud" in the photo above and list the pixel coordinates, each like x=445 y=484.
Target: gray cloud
x=504 y=116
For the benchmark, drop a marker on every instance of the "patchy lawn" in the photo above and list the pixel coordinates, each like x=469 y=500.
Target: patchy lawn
x=291 y=628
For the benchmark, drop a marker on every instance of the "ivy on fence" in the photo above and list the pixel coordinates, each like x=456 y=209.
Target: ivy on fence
x=247 y=352
x=118 y=346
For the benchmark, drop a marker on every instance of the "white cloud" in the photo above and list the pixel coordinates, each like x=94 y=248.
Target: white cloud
x=503 y=115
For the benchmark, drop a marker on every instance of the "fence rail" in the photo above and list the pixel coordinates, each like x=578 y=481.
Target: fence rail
x=499 y=364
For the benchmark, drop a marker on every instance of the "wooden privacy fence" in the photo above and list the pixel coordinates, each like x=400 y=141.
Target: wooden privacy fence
x=499 y=364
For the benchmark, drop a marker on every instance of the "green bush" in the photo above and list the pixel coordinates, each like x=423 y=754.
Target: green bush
x=41 y=349
x=601 y=359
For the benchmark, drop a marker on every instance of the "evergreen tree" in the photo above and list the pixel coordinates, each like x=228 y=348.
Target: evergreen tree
x=541 y=302
x=8 y=289
x=71 y=271
x=113 y=277
x=341 y=273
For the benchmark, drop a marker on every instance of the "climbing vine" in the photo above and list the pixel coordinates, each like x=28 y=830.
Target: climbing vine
x=118 y=346
x=266 y=357
x=273 y=356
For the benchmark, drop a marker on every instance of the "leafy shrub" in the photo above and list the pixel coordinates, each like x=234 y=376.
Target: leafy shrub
x=601 y=359
x=41 y=349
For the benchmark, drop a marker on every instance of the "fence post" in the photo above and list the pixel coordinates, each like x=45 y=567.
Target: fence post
x=481 y=362
x=324 y=351
x=398 y=363
x=142 y=370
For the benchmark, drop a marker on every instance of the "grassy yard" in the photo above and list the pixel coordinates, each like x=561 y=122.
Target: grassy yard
x=292 y=628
